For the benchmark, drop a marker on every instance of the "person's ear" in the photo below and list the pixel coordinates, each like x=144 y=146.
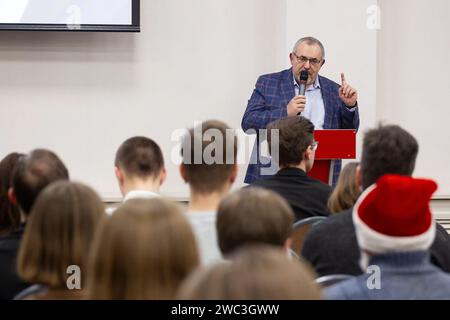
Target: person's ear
x=323 y=62
x=163 y=176
x=287 y=244
x=12 y=196
x=308 y=153
x=291 y=57
x=358 y=177
x=119 y=175
x=183 y=173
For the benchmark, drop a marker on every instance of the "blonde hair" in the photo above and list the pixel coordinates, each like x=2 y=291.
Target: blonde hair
x=59 y=233
x=258 y=273
x=143 y=251
x=346 y=191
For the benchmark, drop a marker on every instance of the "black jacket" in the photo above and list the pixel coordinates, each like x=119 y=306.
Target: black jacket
x=10 y=284
x=331 y=246
x=307 y=196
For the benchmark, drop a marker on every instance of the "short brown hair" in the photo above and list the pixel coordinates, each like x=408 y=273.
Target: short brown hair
x=255 y=273
x=388 y=149
x=346 y=191
x=59 y=233
x=143 y=251
x=202 y=176
x=33 y=173
x=295 y=135
x=9 y=212
x=140 y=157
x=253 y=215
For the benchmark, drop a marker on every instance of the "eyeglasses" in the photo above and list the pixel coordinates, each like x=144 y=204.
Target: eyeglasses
x=302 y=59
x=315 y=145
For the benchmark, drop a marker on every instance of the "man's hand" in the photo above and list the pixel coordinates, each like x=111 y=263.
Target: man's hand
x=348 y=94
x=296 y=105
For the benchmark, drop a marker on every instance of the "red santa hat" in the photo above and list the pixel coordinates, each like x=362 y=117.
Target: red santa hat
x=393 y=215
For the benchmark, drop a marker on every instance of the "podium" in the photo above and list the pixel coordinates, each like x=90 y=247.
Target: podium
x=333 y=145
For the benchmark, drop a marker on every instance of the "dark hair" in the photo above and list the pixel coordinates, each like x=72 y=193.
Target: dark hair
x=33 y=173
x=140 y=157
x=387 y=150
x=202 y=176
x=295 y=135
x=253 y=215
x=255 y=273
x=9 y=212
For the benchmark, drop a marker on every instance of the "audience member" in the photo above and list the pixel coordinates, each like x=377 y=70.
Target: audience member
x=32 y=174
x=143 y=251
x=394 y=235
x=58 y=235
x=37 y=170
x=255 y=273
x=139 y=169
x=346 y=191
x=9 y=211
x=253 y=216
x=209 y=167
x=331 y=246
x=293 y=137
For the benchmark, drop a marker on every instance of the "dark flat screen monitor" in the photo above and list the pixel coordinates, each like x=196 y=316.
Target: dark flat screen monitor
x=70 y=15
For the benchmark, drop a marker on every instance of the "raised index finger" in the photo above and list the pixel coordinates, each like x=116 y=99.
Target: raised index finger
x=343 y=80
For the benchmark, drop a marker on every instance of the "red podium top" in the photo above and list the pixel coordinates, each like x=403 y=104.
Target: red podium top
x=333 y=145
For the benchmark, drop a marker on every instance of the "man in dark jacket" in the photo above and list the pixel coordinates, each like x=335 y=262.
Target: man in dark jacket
x=331 y=246
x=294 y=147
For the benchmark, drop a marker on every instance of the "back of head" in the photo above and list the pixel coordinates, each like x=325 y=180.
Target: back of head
x=346 y=191
x=387 y=150
x=253 y=216
x=9 y=212
x=33 y=173
x=209 y=156
x=295 y=135
x=59 y=233
x=143 y=251
x=255 y=273
x=140 y=157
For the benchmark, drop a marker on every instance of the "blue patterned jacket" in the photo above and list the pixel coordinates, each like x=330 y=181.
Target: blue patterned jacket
x=269 y=101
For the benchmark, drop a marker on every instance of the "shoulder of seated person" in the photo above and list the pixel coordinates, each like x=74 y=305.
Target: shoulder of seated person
x=320 y=183
x=335 y=219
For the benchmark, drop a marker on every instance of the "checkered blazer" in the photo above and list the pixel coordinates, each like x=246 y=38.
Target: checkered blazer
x=269 y=101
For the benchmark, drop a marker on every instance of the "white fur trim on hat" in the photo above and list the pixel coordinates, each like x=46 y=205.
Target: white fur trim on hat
x=375 y=242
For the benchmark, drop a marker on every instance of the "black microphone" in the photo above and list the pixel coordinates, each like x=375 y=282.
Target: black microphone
x=303 y=80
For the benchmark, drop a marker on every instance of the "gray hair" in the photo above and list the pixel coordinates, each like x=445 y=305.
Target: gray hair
x=310 y=41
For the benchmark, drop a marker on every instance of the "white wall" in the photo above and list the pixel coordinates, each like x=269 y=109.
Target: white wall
x=83 y=94
x=414 y=80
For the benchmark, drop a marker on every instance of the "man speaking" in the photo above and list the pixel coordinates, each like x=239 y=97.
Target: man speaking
x=325 y=103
